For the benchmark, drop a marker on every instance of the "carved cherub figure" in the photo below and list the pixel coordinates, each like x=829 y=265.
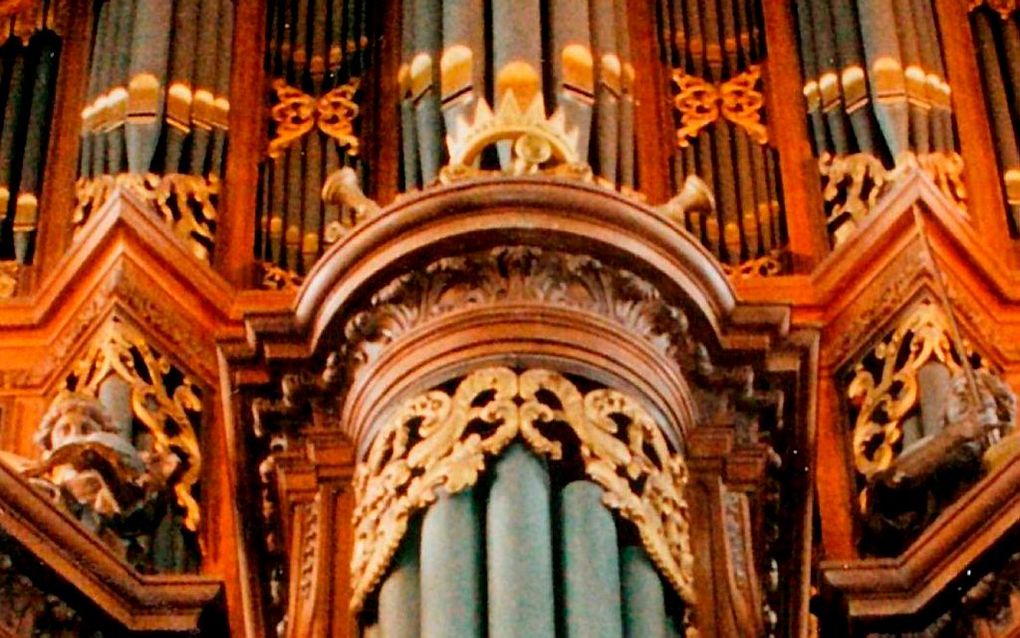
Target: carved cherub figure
x=91 y=470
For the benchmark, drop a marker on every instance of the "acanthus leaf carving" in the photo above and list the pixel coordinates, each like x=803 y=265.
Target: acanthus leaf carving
x=436 y=441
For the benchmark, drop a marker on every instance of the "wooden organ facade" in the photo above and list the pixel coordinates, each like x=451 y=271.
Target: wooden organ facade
x=509 y=318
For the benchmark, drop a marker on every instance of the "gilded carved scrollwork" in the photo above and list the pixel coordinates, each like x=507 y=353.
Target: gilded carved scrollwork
x=884 y=402
x=296 y=113
x=277 y=278
x=9 y=271
x=700 y=103
x=164 y=407
x=185 y=202
x=852 y=184
x=436 y=441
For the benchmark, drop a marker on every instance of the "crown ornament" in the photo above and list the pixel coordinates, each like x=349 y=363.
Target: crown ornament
x=527 y=140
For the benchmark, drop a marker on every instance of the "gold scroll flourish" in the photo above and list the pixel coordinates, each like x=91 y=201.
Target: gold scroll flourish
x=277 y=278
x=1004 y=8
x=852 y=184
x=454 y=436
x=185 y=202
x=885 y=402
x=700 y=103
x=296 y=113
x=768 y=265
x=122 y=351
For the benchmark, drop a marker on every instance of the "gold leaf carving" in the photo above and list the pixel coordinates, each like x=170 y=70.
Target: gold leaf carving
x=276 y=278
x=296 y=113
x=700 y=103
x=455 y=436
x=885 y=402
x=852 y=184
x=122 y=351
x=1004 y=8
x=185 y=202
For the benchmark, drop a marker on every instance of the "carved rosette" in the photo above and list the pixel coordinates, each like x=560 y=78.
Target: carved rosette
x=454 y=437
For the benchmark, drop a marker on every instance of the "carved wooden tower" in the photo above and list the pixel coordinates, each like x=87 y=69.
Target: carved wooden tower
x=509 y=318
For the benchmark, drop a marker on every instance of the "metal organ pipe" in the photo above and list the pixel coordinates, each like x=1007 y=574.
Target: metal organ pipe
x=886 y=76
x=715 y=51
x=318 y=52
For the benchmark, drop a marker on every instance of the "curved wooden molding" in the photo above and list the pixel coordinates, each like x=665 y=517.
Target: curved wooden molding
x=140 y=603
x=486 y=212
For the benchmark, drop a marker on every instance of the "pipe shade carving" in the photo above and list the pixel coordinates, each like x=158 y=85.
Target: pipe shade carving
x=621 y=447
x=919 y=430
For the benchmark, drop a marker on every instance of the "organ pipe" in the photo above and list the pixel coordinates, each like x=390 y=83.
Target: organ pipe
x=155 y=120
x=714 y=49
x=587 y=44
x=318 y=52
x=30 y=55
x=997 y=40
x=886 y=77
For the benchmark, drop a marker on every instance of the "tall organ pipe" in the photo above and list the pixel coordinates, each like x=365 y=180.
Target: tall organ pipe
x=519 y=548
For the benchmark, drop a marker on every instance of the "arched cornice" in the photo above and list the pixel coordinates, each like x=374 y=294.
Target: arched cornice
x=545 y=213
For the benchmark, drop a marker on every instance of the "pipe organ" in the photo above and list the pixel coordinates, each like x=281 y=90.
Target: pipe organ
x=317 y=56
x=467 y=63
x=877 y=100
x=997 y=37
x=401 y=318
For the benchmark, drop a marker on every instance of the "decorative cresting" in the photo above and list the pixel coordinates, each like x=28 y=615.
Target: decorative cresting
x=185 y=202
x=316 y=58
x=715 y=51
x=537 y=143
x=30 y=42
x=480 y=73
x=877 y=100
x=440 y=442
x=156 y=111
x=995 y=25
x=164 y=399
